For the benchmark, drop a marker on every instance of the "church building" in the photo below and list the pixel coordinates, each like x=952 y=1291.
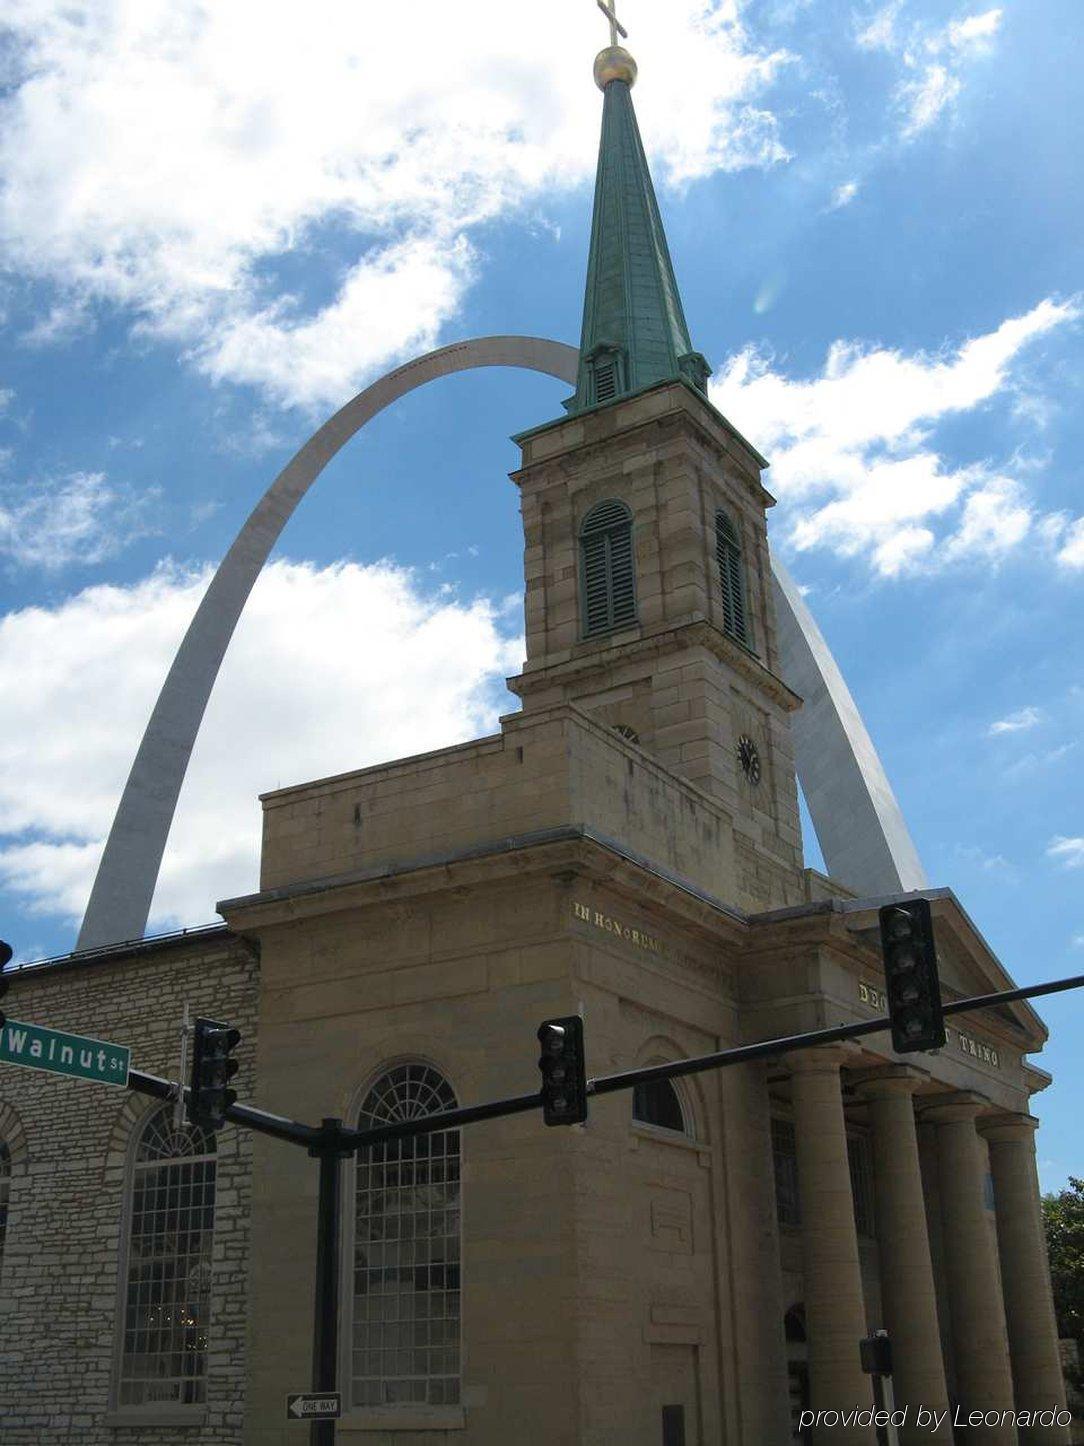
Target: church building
x=695 y=1265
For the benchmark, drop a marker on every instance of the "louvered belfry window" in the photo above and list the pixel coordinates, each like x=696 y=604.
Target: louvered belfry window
x=609 y=594
x=605 y=380
x=731 y=580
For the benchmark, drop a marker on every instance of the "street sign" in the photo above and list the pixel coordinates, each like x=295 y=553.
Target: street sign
x=313 y=1406
x=34 y=1047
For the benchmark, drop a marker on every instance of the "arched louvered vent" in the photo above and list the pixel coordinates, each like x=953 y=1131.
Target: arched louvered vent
x=609 y=595
x=605 y=380
x=731 y=580
x=606 y=370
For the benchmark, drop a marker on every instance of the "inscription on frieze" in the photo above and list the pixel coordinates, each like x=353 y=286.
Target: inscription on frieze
x=875 y=998
x=610 y=925
x=974 y=1048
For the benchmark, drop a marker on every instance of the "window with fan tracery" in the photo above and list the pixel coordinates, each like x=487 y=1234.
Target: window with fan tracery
x=167 y=1274
x=406 y=1318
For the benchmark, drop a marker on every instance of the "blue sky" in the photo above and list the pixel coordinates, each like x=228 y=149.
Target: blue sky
x=216 y=226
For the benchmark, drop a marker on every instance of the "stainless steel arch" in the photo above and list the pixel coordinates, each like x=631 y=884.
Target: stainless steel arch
x=123 y=889
x=859 y=824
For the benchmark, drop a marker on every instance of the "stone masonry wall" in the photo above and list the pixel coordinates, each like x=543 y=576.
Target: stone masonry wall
x=545 y=770
x=70 y=1139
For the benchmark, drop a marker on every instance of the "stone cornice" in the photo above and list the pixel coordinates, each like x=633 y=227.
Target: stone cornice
x=697 y=632
x=564 y=853
x=589 y=432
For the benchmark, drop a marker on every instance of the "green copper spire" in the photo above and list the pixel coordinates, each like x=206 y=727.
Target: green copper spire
x=634 y=330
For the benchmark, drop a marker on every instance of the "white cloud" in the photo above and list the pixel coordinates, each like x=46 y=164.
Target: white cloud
x=1032 y=763
x=1071 y=551
x=331 y=669
x=843 y=195
x=164 y=157
x=851 y=451
x=932 y=60
x=65 y=318
x=1067 y=851
x=1017 y=722
x=995 y=517
x=923 y=99
x=989 y=863
x=880 y=32
x=973 y=29
x=80 y=518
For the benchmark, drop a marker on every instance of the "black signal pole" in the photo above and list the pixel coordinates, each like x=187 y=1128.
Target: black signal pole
x=325 y=1335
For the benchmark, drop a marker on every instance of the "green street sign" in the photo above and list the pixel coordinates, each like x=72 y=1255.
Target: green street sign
x=35 y=1047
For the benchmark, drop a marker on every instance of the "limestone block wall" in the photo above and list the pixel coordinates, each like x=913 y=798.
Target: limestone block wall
x=607 y=1271
x=59 y=1277
x=674 y=676
x=460 y=980
x=545 y=771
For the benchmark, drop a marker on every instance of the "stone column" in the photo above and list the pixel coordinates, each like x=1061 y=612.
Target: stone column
x=748 y=1223
x=979 y=1339
x=907 y=1289
x=1025 y=1275
x=834 y=1308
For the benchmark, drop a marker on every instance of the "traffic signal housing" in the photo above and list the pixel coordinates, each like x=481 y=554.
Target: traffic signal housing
x=911 y=981
x=564 y=1074
x=212 y=1069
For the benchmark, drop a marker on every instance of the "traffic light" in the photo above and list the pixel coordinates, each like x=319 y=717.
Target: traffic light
x=212 y=1069
x=875 y=1354
x=564 y=1075
x=911 y=982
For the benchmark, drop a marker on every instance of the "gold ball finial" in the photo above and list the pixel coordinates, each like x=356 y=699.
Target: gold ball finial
x=614 y=63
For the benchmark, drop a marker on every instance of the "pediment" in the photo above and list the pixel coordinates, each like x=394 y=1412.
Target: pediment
x=967 y=964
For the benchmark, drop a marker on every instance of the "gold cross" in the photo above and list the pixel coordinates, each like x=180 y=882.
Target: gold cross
x=610 y=12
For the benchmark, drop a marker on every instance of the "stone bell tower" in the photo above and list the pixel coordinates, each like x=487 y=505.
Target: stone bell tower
x=648 y=601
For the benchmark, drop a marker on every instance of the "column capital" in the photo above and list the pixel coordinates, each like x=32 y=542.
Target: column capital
x=1009 y=1126
x=889 y=1079
x=953 y=1105
x=821 y=1059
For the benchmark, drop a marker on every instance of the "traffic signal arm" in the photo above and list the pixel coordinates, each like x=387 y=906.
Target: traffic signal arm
x=297 y=1133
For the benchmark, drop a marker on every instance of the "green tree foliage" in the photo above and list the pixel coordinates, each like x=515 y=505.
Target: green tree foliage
x=1063 y=1217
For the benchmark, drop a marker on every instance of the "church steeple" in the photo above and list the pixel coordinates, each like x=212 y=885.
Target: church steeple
x=634 y=330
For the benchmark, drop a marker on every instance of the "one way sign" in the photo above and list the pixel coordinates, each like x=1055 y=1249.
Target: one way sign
x=308 y=1406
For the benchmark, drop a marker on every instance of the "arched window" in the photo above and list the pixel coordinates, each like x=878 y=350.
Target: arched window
x=167 y=1279
x=5 y=1190
x=656 y=1103
x=405 y=1346
x=609 y=594
x=732 y=580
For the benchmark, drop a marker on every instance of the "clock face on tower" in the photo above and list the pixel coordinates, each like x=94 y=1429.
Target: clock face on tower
x=749 y=758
